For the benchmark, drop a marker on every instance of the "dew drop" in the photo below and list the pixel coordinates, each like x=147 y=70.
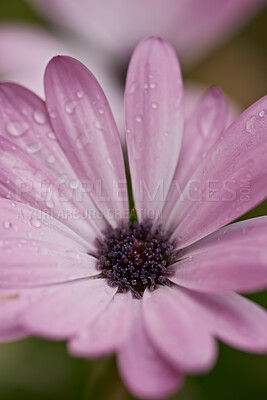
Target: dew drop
x=74 y=184
x=63 y=178
x=73 y=254
x=133 y=87
x=138 y=119
x=83 y=140
x=24 y=111
x=51 y=135
x=70 y=106
x=51 y=159
x=39 y=117
x=17 y=128
x=79 y=94
x=146 y=86
x=110 y=163
x=52 y=114
x=36 y=222
x=7 y=224
x=154 y=106
x=34 y=147
x=250 y=125
x=262 y=113
x=101 y=111
x=152 y=85
x=49 y=203
x=98 y=124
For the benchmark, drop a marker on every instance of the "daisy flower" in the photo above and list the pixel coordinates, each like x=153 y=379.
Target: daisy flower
x=103 y=34
x=137 y=261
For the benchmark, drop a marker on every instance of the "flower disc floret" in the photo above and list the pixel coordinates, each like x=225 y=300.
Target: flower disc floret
x=136 y=258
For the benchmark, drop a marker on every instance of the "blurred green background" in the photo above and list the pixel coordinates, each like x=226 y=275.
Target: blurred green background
x=37 y=369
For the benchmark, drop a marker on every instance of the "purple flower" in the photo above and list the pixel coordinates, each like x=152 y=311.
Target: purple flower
x=158 y=291
x=99 y=32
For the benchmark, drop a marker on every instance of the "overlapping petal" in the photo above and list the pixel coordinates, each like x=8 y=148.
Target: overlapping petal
x=233 y=258
x=25 y=179
x=154 y=122
x=24 y=222
x=203 y=127
x=33 y=263
x=145 y=372
x=105 y=335
x=68 y=308
x=177 y=331
x=232 y=318
x=228 y=182
x=12 y=304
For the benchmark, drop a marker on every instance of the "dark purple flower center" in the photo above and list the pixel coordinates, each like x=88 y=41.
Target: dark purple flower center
x=136 y=258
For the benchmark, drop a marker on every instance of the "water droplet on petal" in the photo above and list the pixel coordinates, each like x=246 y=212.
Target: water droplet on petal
x=146 y=86
x=17 y=128
x=51 y=159
x=138 y=119
x=133 y=87
x=34 y=147
x=39 y=117
x=63 y=178
x=152 y=85
x=70 y=106
x=36 y=222
x=250 y=125
x=110 y=163
x=49 y=203
x=262 y=113
x=83 y=140
x=73 y=254
x=52 y=114
x=154 y=106
x=51 y=135
x=98 y=124
x=74 y=184
x=24 y=111
x=79 y=94
x=7 y=224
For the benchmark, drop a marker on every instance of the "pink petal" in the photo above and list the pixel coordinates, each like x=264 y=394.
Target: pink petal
x=26 y=52
x=68 y=308
x=203 y=127
x=194 y=26
x=108 y=332
x=143 y=370
x=154 y=122
x=20 y=221
x=27 y=124
x=12 y=304
x=27 y=262
x=177 y=331
x=233 y=258
x=228 y=182
x=87 y=133
x=233 y=319
x=23 y=178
